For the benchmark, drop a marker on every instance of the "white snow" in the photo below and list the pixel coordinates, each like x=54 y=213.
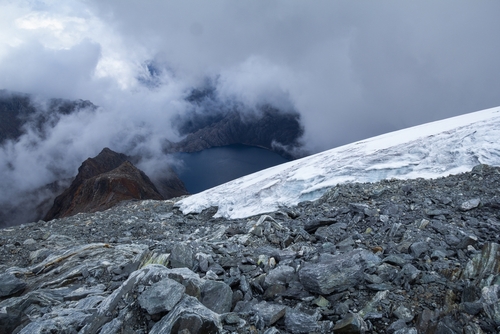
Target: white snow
x=431 y=150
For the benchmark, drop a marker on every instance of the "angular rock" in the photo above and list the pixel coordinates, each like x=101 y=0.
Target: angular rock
x=321 y=302
x=352 y=323
x=10 y=285
x=472 y=328
x=83 y=292
x=98 y=286
x=484 y=268
x=336 y=273
x=396 y=326
x=300 y=322
x=411 y=330
x=472 y=308
x=274 y=291
x=161 y=296
x=470 y=204
x=107 y=308
x=182 y=256
x=189 y=279
x=370 y=310
x=403 y=313
x=204 y=261
x=468 y=240
x=427 y=321
x=407 y=275
x=397 y=260
x=188 y=316
x=491 y=302
x=66 y=322
x=387 y=272
x=447 y=325
x=419 y=248
x=280 y=275
x=217 y=296
x=270 y=312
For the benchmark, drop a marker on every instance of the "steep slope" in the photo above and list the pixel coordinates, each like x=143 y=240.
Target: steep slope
x=169 y=185
x=435 y=149
x=101 y=183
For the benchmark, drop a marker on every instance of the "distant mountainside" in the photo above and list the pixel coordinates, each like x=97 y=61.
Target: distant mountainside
x=104 y=181
x=17 y=109
x=209 y=123
x=272 y=129
x=213 y=123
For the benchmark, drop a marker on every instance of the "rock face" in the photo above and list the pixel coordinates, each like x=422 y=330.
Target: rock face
x=101 y=183
x=397 y=256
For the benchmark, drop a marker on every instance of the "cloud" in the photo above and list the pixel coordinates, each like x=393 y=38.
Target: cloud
x=352 y=69
x=50 y=72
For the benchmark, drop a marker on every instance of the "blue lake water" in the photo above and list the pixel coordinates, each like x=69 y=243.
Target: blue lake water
x=214 y=166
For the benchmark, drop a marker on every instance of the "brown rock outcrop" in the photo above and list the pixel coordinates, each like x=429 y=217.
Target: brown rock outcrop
x=103 y=182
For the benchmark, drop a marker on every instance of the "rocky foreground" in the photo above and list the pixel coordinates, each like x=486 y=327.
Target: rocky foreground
x=414 y=256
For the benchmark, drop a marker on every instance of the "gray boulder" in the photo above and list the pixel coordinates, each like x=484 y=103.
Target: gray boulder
x=10 y=285
x=300 y=322
x=217 y=296
x=337 y=273
x=353 y=323
x=280 y=275
x=161 y=296
x=182 y=256
x=483 y=267
x=269 y=312
x=189 y=316
x=491 y=302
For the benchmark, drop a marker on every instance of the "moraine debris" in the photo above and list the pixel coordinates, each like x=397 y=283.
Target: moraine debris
x=396 y=256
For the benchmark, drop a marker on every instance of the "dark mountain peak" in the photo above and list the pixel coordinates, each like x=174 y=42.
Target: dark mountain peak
x=105 y=161
x=102 y=182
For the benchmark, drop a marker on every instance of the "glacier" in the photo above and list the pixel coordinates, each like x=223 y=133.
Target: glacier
x=450 y=146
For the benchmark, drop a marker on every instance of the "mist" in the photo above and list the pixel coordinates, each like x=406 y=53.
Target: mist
x=351 y=69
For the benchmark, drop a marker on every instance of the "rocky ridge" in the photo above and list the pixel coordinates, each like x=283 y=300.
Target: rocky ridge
x=104 y=181
x=396 y=256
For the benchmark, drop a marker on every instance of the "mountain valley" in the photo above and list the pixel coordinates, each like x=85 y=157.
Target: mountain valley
x=209 y=123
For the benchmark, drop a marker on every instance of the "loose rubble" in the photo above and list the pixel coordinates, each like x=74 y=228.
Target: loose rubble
x=397 y=256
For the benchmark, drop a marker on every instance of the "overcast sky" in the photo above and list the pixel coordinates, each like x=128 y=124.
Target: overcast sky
x=353 y=69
